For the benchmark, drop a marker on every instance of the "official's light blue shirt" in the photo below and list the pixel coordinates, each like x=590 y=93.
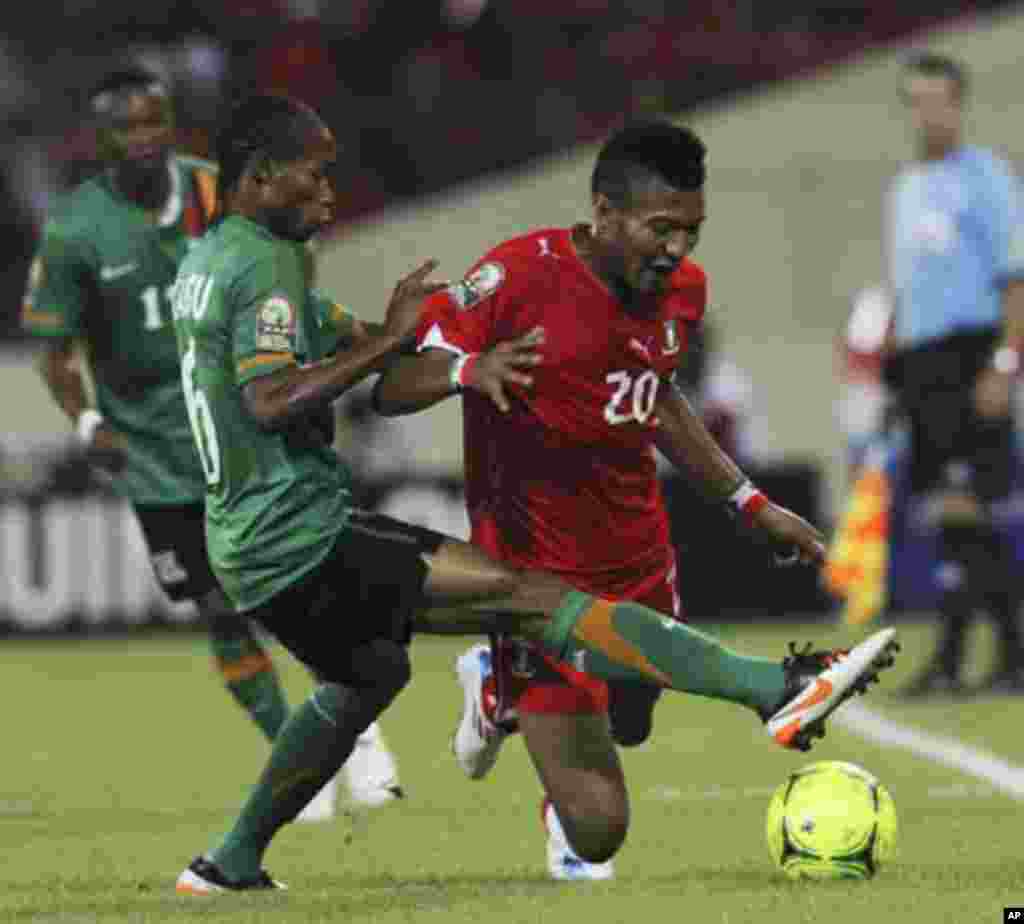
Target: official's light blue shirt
x=955 y=236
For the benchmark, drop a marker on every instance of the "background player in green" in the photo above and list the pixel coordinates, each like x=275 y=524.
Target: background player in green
x=109 y=253
x=343 y=589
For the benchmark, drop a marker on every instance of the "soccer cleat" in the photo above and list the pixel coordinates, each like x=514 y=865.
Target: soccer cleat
x=370 y=771
x=818 y=682
x=321 y=806
x=203 y=877
x=563 y=862
x=477 y=740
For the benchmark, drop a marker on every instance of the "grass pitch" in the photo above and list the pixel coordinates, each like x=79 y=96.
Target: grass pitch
x=123 y=759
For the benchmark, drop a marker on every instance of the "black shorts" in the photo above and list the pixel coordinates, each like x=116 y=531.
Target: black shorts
x=951 y=445
x=369 y=587
x=176 y=537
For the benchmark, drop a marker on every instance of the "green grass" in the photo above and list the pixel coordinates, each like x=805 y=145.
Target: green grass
x=123 y=759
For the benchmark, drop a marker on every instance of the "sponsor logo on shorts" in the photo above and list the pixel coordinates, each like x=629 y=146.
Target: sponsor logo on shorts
x=671 y=339
x=168 y=569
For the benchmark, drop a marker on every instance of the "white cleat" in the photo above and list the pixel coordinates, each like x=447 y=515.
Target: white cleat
x=819 y=682
x=370 y=772
x=321 y=808
x=563 y=862
x=477 y=740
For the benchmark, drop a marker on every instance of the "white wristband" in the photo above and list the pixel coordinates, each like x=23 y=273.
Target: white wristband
x=455 y=370
x=739 y=498
x=89 y=421
x=1006 y=360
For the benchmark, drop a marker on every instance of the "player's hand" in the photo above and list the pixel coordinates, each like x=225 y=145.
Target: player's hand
x=506 y=363
x=795 y=539
x=992 y=394
x=108 y=449
x=406 y=305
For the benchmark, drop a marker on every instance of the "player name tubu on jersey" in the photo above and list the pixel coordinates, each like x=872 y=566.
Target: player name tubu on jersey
x=276 y=500
x=102 y=274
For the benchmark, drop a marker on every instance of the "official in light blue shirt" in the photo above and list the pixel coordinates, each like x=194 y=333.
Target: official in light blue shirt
x=955 y=247
x=955 y=240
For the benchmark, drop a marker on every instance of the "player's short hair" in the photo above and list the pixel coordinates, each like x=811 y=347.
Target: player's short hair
x=932 y=64
x=646 y=150
x=271 y=126
x=101 y=96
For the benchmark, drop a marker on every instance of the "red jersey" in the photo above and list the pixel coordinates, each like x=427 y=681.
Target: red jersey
x=565 y=481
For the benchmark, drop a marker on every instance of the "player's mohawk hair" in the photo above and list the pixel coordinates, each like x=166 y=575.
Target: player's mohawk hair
x=101 y=97
x=644 y=150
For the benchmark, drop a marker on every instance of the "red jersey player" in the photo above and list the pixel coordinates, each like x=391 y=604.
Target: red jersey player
x=565 y=342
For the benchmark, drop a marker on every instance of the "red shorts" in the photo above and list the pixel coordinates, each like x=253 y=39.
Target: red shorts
x=550 y=686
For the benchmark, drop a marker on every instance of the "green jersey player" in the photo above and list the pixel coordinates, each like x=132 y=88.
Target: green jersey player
x=343 y=589
x=109 y=254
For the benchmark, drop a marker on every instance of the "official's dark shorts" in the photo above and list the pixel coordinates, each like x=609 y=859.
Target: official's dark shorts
x=951 y=444
x=176 y=537
x=369 y=587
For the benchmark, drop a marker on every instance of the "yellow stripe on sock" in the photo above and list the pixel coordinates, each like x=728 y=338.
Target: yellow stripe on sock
x=244 y=668
x=595 y=629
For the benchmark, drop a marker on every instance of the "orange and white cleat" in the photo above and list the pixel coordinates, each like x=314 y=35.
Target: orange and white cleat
x=818 y=682
x=202 y=877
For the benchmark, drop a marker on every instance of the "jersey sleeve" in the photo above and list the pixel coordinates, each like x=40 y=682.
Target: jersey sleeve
x=267 y=300
x=464 y=318
x=337 y=323
x=1006 y=216
x=58 y=287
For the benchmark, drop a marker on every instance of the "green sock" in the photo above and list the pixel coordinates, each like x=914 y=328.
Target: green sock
x=311 y=747
x=251 y=679
x=627 y=641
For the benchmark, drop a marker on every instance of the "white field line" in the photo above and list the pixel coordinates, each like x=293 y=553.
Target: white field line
x=949 y=752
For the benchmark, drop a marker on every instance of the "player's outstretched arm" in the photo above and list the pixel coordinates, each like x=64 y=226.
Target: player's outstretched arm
x=294 y=391
x=687 y=444
x=414 y=383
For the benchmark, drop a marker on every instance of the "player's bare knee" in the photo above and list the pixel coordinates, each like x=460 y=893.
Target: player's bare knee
x=596 y=834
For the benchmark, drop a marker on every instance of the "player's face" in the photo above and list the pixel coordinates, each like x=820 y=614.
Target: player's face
x=140 y=131
x=646 y=240
x=301 y=198
x=935 y=111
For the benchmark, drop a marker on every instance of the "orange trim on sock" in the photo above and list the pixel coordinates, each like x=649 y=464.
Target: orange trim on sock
x=244 y=668
x=595 y=628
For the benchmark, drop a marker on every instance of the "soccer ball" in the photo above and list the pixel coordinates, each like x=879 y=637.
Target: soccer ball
x=831 y=820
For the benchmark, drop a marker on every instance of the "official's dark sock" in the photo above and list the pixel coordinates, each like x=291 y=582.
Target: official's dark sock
x=961 y=549
x=1003 y=596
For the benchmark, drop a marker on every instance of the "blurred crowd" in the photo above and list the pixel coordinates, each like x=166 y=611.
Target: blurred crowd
x=424 y=93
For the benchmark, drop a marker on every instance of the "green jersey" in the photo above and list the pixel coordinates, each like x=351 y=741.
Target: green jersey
x=102 y=274
x=276 y=501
